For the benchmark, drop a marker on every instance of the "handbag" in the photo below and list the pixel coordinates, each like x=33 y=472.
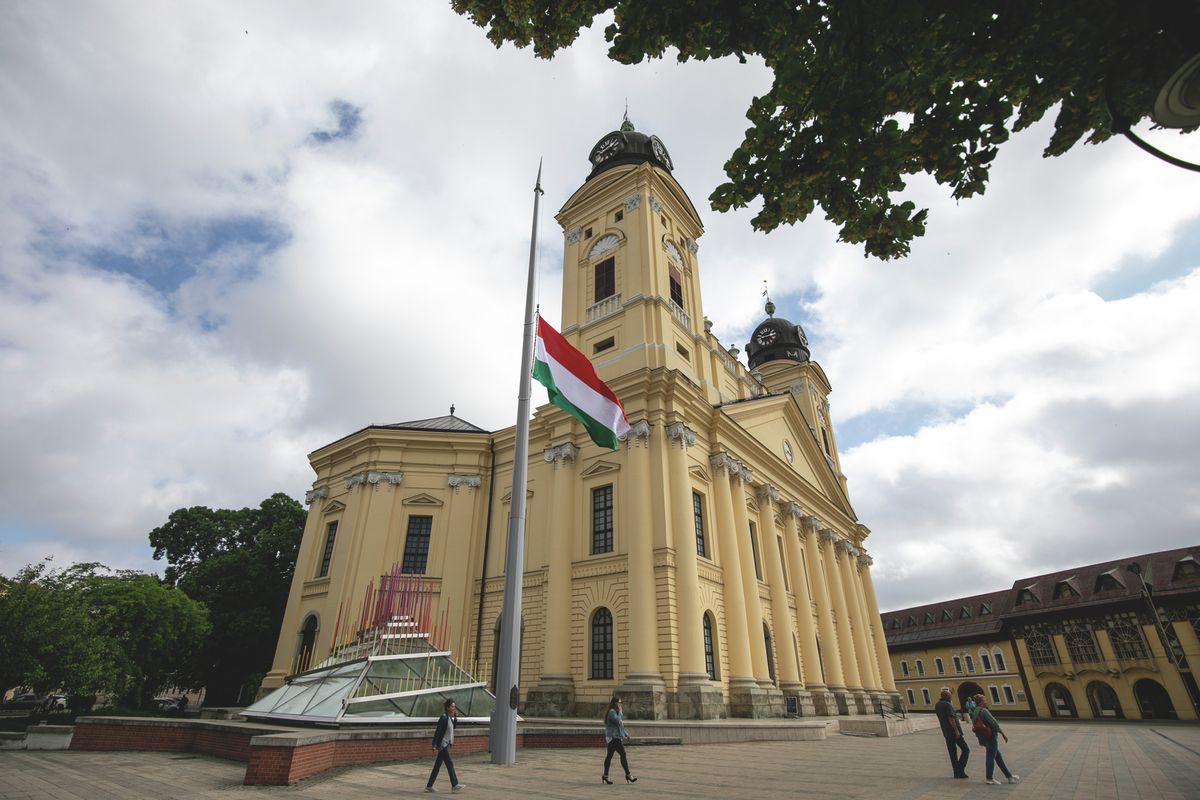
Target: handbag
x=982 y=730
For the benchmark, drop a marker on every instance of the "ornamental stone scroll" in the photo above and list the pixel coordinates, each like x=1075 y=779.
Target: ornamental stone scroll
x=769 y=493
x=455 y=480
x=864 y=560
x=655 y=205
x=679 y=433
x=633 y=202
x=374 y=478
x=574 y=235
x=313 y=495
x=562 y=454
x=724 y=463
x=638 y=434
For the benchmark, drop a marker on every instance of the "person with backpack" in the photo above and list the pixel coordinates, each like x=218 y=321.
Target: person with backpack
x=987 y=730
x=443 y=737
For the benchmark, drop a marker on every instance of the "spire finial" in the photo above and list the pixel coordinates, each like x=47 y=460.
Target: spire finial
x=770 y=307
x=626 y=125
x=452 y=409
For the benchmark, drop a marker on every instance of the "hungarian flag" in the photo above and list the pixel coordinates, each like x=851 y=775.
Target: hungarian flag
x=573 y=386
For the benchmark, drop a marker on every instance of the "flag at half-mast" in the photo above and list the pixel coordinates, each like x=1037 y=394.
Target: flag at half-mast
x=571 y=381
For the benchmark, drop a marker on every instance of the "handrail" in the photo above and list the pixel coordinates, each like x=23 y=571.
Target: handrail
x=887 y=710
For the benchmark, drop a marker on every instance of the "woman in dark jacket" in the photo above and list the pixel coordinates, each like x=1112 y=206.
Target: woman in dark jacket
x=615 y=735
x=992 y=743
x=443 y=737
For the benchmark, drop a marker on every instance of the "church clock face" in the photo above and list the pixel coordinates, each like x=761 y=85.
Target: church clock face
x=608 y=147
x=660 y=151
x=765 y=336
x=803 y=338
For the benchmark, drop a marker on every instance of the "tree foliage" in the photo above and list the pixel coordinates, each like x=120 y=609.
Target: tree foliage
x=865 y=94
x=239 y=563
x=83 y=631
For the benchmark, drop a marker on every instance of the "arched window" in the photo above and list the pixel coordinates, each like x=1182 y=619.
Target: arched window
x=958 y=665
x=941 y=668
x=602 y=645
x=904 y=668
x=710 y=659
x=1103 y=701
x=986 y=661
x=970 y=664
x=770 y=654
x=920 y=667
x=308 y=641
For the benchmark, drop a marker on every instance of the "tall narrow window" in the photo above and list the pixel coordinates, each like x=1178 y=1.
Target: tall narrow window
x=920 y=667
x=754 y=548
x=416 y=545
x=676 y=285
x=606 y=281
x=998 y=657
x=995 y=694
x=787 y=587
x=602 y=519
x=958 y=665
x=912 y=700
x=970 y=664
x=941 y=669
x=1008 y=695
x=904 y=668
x=710 y=661
x=602 y=645
x=986 y=661
x=698 y=516
x=770 y=653
x=330 y=535
x=825 y=441
x=308 y=640
x=925 y=696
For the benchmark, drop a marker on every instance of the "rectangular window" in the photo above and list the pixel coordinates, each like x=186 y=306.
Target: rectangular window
x=676 y=286
x=604 y=344
x=416 y=545
x=1008 y=695
x=683 y=352
x=330 y=535
x=999 y=661
x=925 y=696
x=995 y=694
x=617 y=217
x=920 y=667
x=912 y=700
x=698 y=516
x=904 y=668
x=958 y=665
x=606 y=281
x=754 y=548
x=602 y=520
x=970 y=665
x=987 y=662
x=941 y=669
x=783 y=565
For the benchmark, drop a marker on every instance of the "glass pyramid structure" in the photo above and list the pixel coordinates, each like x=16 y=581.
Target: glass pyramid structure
x=394 y=670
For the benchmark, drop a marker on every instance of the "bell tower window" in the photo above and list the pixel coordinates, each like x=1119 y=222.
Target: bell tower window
x=676 y=285
x=605 y=280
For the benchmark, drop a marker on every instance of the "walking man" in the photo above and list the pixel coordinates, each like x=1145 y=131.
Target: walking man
x=952 y=731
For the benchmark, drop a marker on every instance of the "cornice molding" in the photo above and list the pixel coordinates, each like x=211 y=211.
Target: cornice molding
x=374 y=478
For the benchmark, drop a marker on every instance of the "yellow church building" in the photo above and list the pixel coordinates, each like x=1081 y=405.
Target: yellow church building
x=712 y=566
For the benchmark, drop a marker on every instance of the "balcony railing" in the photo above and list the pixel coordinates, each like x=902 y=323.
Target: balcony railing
x=609 y=305
x=680 y=314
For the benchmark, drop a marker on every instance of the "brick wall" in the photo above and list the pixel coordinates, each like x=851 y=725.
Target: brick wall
x=170 y=739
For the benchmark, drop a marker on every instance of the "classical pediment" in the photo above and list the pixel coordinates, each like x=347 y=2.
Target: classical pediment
x=507 y=498
x=333 y=506
x=600 y=468
x=777 y=423
x=421 y=500
x=700 y=473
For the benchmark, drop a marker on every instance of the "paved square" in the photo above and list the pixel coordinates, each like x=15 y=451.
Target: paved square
x=1072 y=761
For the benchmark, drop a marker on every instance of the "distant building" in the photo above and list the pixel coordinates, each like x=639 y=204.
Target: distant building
x=1081 y=643
x=712 y=566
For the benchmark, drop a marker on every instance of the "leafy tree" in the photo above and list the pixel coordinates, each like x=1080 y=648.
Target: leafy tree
x=865 y=94
x=239 y=563
x=82 y=631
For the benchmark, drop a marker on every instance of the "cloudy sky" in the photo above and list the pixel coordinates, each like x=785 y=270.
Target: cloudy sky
x=233 y=232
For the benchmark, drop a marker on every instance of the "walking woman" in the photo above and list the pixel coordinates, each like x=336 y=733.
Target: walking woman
x=615 y=735
x=443 y=737
x=988 y=730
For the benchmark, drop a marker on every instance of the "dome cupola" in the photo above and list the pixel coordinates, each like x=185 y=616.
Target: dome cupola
x=628 y=146
x=776 y=339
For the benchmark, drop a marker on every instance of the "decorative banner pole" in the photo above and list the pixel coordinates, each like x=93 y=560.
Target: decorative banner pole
x=503 y=731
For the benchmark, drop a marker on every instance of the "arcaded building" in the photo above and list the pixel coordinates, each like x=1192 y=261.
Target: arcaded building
x=712 y=566
x=1092 y=642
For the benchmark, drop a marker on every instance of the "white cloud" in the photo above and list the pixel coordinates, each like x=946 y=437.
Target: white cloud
x=392 y=292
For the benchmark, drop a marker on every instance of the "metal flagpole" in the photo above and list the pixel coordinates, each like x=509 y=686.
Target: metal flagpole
x=503 y=732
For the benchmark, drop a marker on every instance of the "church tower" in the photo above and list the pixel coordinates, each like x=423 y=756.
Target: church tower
x=631 y=288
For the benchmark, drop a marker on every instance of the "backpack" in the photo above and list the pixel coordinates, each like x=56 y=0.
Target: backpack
x=981 y=729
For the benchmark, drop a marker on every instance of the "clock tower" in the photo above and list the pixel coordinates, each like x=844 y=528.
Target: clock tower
x=631 y=288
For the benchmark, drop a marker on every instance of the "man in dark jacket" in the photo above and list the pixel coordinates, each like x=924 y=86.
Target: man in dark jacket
x=952 y=731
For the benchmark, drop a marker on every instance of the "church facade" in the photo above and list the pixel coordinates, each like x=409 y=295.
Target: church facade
x=712 y=566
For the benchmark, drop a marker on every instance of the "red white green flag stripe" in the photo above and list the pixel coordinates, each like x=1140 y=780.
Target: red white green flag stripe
x=573 y=386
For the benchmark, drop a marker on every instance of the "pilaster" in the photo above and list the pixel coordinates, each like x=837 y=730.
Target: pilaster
x=787 y=666
x=831 y=654
x=810 y=658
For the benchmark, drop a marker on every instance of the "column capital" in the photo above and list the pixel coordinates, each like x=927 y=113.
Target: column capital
x=455 y=480
x=794 y=510
x=563 y=453
x=313 y=495
x=678 y=433
x=769 y=493
x=374 y=478
x=828 y=535
x=844 y=546
x=864 y=560
x=638 y=434
x=724 y=463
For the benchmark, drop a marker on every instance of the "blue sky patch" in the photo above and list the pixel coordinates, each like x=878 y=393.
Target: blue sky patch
x=1136 y=275
x=165 y=255
x=901 y=420
x=348 y=117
